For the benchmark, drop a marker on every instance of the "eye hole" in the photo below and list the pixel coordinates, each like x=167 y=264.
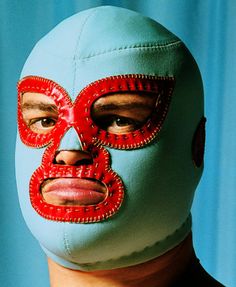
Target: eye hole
x=39 y=112
x=122 y=113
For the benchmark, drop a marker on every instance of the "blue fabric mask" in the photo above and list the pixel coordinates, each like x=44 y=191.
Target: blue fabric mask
x=159 y=175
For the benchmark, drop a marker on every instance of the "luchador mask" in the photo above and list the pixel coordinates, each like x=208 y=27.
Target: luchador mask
x=125 y=94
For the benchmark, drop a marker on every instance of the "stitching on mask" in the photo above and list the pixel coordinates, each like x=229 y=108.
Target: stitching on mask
x=82 y=214
x=146 y=46
x=39 y=140
x=66 y=243
x=186 y=223
x=139 y=47
x=77 y=48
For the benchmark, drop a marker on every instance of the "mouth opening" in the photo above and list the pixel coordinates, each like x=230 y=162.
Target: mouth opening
x=73 y=191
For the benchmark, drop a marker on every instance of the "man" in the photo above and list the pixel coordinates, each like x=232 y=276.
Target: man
x=111 y=122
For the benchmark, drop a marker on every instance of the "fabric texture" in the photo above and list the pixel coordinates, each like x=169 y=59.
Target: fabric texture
x=159 y=175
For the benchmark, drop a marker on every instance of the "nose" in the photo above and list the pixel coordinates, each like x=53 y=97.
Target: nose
x=70 y=151
x=72 y=157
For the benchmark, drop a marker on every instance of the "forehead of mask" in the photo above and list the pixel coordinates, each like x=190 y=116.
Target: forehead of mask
x=104 y=41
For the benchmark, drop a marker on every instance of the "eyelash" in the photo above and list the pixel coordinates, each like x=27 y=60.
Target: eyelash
x=40 y=119
x=106 y=121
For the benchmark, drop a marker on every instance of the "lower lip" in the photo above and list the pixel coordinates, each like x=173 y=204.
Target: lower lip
x=73 y=191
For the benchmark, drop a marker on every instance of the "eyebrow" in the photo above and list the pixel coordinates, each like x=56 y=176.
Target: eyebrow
x=39 y=106
x=122 y=106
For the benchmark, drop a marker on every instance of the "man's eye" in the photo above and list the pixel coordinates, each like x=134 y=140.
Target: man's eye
x=42 y=125
x=39 y=112
x=121 y=113
x=122 y=121
x=118 y=124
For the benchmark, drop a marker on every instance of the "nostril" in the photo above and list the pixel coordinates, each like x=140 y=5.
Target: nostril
x=72 y=157
x=59 y=162
x=95 y=155
x=84 y=162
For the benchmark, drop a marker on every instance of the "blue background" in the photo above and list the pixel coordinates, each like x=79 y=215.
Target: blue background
x=208 y=29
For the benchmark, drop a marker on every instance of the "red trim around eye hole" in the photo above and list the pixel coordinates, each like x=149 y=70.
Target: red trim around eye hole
x=35 y=84
x=162 y=86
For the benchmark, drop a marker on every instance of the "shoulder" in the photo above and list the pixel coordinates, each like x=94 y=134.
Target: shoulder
x=196 y=276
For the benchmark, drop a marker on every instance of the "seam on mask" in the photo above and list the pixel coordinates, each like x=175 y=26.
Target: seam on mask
x=66 y=243
x=76 y=49
x=186 y=222
x=146 y=46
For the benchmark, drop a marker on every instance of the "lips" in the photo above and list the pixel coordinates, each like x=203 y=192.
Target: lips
x=73 y=191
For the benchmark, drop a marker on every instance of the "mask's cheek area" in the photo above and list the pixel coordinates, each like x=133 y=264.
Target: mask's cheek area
x=159 y=185
x=160 y=180
x=48 y=233
x=27 y=160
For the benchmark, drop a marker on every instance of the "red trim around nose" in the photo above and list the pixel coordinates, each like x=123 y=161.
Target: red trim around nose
x=100 y=170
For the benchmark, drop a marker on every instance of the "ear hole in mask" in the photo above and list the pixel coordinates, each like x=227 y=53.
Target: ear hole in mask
x=39 y=112
x=198 y=143
x=122 y=113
